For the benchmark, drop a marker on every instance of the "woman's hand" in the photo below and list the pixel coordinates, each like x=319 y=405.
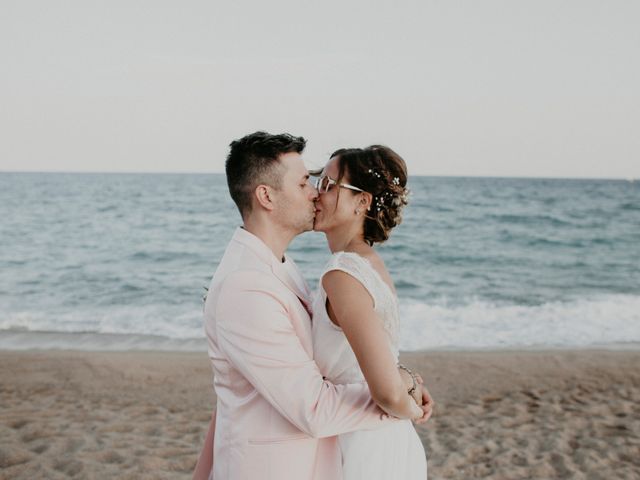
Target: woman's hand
x=421 y=395
x=427 y=404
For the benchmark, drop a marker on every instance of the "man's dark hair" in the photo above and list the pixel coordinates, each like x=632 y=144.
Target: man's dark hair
x=254 y=160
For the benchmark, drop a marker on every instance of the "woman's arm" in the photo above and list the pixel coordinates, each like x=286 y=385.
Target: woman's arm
x=205 y=460
x=351 y=307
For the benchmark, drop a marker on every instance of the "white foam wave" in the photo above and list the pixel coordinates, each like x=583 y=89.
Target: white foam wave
x=173 y=322
x=476 y=324
x=605 y=320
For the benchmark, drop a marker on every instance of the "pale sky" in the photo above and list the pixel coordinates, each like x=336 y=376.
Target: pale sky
x=490 y=88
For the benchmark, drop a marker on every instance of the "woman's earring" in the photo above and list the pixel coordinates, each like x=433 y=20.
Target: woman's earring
x=357 y=211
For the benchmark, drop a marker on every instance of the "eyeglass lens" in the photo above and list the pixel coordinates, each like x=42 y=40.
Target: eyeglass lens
x=324 y=184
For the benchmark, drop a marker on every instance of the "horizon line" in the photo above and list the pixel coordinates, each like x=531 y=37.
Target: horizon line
x=125 y=172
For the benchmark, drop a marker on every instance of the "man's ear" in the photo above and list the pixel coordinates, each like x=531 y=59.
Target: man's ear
x=263 y=196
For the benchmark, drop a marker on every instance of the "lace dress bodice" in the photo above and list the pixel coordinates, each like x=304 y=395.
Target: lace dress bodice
x=332 y=351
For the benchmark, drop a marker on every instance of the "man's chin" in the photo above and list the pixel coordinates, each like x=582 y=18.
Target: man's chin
x=309 y=227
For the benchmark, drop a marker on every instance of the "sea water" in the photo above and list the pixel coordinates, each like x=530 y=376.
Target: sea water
x=121 y=261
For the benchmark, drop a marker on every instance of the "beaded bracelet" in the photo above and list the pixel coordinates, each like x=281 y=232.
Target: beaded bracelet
x=413 y=377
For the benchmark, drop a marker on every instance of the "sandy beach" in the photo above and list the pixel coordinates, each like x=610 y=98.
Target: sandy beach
x=499 y=415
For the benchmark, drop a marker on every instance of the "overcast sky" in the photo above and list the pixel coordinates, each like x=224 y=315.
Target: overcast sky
x=492 y=88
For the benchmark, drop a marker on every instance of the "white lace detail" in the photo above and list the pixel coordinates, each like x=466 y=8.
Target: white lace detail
x=384 y=301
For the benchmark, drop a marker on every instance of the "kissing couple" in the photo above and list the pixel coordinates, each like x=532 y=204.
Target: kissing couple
x=310 y=388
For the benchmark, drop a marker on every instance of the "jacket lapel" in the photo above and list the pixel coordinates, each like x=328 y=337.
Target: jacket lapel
x=279 y=270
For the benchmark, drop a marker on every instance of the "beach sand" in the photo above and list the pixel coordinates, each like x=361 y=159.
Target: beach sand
x=499 y=415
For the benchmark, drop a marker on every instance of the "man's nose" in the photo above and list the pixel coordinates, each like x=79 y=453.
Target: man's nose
x=313 y=190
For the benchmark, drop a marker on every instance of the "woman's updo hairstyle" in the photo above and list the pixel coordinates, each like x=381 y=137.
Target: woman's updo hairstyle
x=381 y=172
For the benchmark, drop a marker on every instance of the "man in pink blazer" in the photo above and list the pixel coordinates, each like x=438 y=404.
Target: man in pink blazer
x=277 y=418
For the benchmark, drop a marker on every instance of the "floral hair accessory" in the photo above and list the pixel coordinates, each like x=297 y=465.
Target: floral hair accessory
x=387 y=198
x=402 y=199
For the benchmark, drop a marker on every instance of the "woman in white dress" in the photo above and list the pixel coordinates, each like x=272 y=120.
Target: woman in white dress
x=355 y=322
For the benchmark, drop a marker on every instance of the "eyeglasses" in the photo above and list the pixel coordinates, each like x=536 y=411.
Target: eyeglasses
x=325 y=182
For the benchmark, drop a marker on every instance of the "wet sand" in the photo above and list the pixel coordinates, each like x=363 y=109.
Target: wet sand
x=499 y=415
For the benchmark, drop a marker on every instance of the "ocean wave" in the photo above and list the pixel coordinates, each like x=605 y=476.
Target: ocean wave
x=529 y=219
x=474 y=324
x=163 y=256
x=170 y=321
x=555 y=243
x=404 y=284
x=630 y=206
x=610 y=319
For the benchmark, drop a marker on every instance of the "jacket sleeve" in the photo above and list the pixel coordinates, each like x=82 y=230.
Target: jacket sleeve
x=255 y=332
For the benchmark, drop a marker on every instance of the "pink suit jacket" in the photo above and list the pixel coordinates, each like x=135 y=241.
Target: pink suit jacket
x=276 y=416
